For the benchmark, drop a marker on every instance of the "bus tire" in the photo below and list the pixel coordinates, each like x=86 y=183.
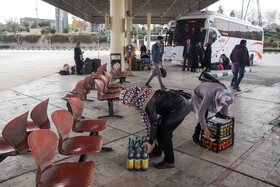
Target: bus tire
x=251 y=59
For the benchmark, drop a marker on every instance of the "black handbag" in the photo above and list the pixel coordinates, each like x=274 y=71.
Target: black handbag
x=182 y=93
x=163 y=72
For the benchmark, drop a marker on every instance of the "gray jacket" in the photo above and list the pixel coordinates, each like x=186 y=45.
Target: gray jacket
x=203 y=100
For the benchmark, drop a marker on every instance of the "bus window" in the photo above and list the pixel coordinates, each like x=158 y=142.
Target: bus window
x=256 y=33
x=234 y=30
x=222 y=26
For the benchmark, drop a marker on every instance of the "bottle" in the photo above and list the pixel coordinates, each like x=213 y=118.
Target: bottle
x=145 y=159
x=130 y=159
x=137 y=158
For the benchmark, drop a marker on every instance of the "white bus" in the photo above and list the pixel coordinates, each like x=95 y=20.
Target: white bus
x=221 y=31
x=152 y=41
x=168 y=43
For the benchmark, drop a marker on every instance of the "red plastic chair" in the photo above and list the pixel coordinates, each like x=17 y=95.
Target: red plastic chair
x=43 y=144
x=87 y=87
x=77 y=107
x=100 y=71
x=106 y=83
x=119 y=74
x=78 y=91
x=78 y=145
x=14 y=140
x=39 y=116
x=101 y=96
x=110 y=85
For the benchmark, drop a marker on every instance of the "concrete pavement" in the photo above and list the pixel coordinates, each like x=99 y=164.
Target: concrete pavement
x=252 y=161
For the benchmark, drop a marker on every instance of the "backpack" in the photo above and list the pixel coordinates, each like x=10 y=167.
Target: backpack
x=206 y=77
x=87 y=66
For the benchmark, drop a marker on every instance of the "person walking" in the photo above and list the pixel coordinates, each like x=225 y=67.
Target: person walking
x=78 y=57
x=207 y=57
x=213 y=97
x=157 y=51
x=240 y=58
x=187 y=55
x=172 y=107
x=200 y=52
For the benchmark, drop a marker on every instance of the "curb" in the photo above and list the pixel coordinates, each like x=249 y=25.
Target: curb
x=53 y=49
x=228 y=73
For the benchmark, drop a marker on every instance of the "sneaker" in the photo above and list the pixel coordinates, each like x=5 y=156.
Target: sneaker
x=164 y=165
x=148 y=85
x=236 y=88
x=163 y=87
x=196 y=140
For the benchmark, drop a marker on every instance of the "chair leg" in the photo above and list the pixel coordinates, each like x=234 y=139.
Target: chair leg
x=83 y=158
x=2 y=157
x=88 y=99
x=111 y=110
x=69 y=107
x=103 y=148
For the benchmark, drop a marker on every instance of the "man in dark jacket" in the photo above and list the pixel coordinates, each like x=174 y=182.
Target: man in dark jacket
x=207 y=57
x=78 y=57
x=240 y=58
x=157 y=51
x=187 y=55
x=170 y=105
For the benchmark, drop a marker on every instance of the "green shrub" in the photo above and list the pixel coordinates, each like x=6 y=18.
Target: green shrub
x=4 y=46
x=271 y=50
x=83 y=38
x=267 y=44
x=32 y=38
x=59 y=38
x=274 y=44
x=52 y=31
x=7 y=38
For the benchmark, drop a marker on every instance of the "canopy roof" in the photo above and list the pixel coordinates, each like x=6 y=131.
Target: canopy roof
x=162 y=11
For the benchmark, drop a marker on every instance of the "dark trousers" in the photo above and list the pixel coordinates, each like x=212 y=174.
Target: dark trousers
x=165 y=131
x=79 y=65
x=198 y=127
x=185 y=62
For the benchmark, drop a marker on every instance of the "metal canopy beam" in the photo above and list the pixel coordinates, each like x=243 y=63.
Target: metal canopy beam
x=162 y=11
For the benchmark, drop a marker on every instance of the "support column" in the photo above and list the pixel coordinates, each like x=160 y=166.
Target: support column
x=128 y=8
x=117 y=28
x=149 y=18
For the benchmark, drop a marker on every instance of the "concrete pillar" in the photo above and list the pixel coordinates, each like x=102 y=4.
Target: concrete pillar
x=117 y=28
x=149 y=18
x=128 y=10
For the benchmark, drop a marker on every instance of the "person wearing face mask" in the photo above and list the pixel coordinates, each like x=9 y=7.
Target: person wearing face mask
x=211 y=97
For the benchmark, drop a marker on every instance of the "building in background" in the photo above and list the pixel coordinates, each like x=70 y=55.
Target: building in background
x=96 y=27
x=33 y=20
x=61 y=20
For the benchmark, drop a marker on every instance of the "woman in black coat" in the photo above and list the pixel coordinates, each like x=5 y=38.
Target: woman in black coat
x=207 y=57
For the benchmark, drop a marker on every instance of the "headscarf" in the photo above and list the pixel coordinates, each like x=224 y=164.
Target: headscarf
x=137 y=96
x=225 y=96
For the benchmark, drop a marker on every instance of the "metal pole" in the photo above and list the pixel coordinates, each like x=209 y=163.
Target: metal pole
x=98 y=44
x=148 y=30
x=242 y=9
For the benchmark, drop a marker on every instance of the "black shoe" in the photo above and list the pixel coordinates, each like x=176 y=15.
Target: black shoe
x=183 y=69
x=236 y=88
x=196 y=140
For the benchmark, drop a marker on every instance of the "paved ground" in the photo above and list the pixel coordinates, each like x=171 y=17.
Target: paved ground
x=252 y=161
x=23 y=66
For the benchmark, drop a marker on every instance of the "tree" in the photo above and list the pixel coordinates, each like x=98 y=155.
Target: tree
x=220 y=9
x=12 y=25
x=82 y=25
x=18 y=38
x=270 y=16
x=44 y=24
x=232 y=13
x=73 y=26
x=25 y=25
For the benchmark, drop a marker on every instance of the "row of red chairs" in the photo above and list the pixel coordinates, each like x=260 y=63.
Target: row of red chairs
x=44 y=144
x=15 y=133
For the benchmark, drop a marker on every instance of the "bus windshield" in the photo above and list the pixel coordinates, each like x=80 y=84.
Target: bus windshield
x=189 y=29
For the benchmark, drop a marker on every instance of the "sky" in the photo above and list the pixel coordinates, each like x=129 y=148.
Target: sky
x=26 y=8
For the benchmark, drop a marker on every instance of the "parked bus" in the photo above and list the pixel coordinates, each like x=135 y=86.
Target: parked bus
x=221 y=31
x=168 y=43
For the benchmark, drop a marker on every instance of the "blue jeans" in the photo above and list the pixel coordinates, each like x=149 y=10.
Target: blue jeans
x=238 y=74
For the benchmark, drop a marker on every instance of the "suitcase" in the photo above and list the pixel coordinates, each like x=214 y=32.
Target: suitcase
x=96 y=63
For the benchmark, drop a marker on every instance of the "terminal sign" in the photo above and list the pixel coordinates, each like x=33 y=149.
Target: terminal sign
x=129 y=50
